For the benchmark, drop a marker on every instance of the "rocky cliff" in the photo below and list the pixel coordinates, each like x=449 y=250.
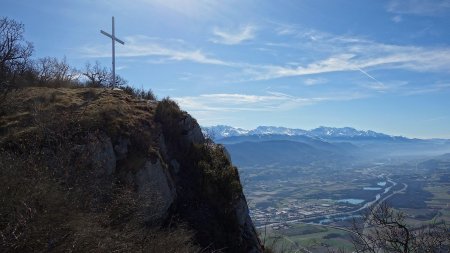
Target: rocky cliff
x=100 y=170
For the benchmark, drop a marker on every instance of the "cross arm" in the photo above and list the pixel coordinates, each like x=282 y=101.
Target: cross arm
x=114 y=38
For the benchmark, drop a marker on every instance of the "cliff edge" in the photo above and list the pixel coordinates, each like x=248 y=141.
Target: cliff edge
x=100 y=170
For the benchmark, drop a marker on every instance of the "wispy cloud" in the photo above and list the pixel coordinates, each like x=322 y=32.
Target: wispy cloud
x=439 y=87
x=419 y=7
x=314 y=81
x=228 y=37
x=397 y=18
x=355 y=54
x=271 y=101
x=365 y=55
x=339 y=53
x=140 y=46
x=285 y=29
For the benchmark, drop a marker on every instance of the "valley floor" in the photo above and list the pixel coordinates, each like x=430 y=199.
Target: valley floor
x=312 y=207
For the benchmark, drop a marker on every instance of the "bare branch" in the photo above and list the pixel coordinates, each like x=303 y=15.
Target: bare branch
x=384 y=229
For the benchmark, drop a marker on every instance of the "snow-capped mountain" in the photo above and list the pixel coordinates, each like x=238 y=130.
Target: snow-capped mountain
x=343 y=132
x=323 y=145
x=263 y=130
x=221 y=131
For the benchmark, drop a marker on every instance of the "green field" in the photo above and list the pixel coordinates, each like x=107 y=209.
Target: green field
x=314 y=238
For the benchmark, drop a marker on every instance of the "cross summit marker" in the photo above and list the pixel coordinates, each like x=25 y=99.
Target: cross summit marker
x=113 y=39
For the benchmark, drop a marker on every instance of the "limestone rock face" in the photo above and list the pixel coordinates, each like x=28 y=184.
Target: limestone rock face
x=193 y=132
x=97 y=152
x=171 y=182
x=156 y=187
x=219 y=222
x=102 y=153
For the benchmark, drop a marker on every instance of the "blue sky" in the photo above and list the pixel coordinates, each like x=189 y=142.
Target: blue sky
x=368 y=64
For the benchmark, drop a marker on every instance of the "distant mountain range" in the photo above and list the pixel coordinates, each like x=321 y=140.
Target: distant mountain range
x=268 y=145
x=221 y=131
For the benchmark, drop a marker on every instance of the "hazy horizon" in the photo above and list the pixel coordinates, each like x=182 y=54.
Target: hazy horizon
x=371 y=65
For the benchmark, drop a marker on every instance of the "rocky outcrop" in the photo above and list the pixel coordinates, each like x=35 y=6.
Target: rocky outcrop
x=125 y=159
x=192 y=131
x=101 y=151
x=215 y=206
x=156 y=188
x=222 y=223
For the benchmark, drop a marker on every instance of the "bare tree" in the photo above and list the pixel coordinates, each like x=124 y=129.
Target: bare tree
x=14 y=50
x=384 y=229
x=51 y=70
x=98 y=76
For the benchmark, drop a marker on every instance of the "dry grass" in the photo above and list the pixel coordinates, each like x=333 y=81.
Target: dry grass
x=52 y=198
x=110 y=111
x=61 y=199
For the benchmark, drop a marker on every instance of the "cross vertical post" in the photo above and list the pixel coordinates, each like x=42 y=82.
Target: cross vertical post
x=113 y=55
x=113 y=39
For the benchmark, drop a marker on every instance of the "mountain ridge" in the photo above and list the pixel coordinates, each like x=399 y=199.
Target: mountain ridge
x=325 y=144
x=223 y=131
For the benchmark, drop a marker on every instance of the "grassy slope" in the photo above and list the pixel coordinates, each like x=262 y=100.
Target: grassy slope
x=50 y=200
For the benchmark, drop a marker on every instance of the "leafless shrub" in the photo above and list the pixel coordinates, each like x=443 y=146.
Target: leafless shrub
x=385 y=230
x=140 y=93
x=51 y=71
x=99 y=76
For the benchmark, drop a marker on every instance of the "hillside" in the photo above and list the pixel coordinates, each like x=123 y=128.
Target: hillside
x=98 y=170
x=282 y=152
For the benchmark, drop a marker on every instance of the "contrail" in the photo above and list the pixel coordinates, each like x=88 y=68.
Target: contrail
x=371 y=77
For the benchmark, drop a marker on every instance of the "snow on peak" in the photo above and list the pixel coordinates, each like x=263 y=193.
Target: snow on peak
x=222 y=131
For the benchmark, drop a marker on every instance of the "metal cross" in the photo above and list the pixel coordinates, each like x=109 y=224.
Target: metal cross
x=114 y=39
